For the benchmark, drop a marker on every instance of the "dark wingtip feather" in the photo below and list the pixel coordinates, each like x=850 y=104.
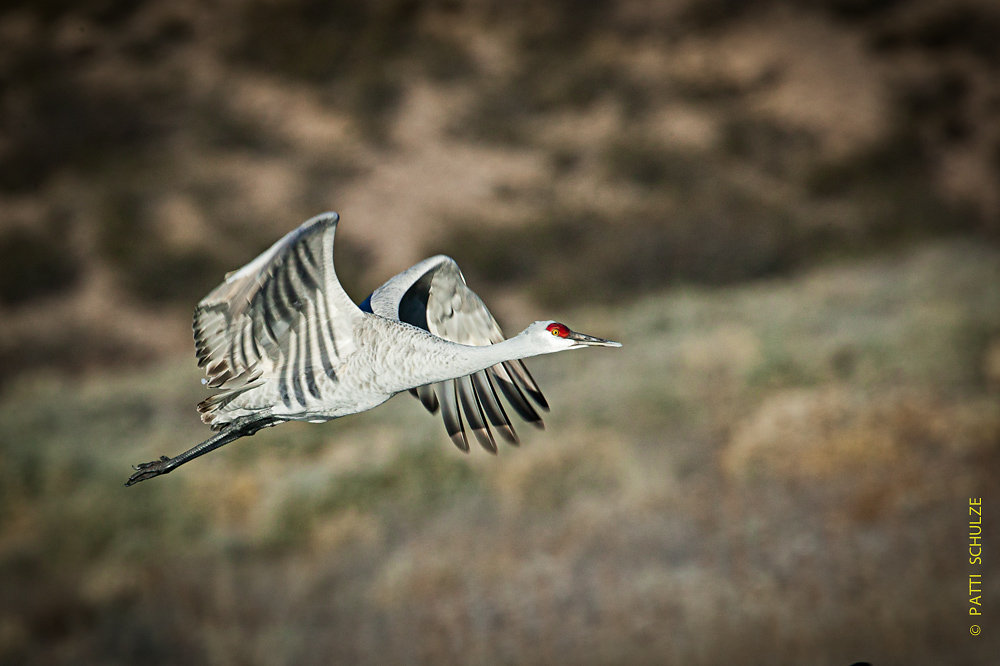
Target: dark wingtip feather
x=491 y=405
x=485 y=439
x=458 y=439
x=428 y=398
x=533 y=389
x=519 y=373
x=474 y=413
x=488 y=444
x=509 y=435
x=452 y=416
x=514 y=396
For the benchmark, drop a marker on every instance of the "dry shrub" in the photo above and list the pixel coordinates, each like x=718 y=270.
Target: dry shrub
x=727 y=352
x=991 y=365
x=547 y=477
x=825 y=434
x=530 y=588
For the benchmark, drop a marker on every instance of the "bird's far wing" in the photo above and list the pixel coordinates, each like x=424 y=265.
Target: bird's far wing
x=433 y=295
x=283 y=313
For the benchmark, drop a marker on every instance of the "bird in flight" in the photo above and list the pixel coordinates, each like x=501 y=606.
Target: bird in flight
x=281 y=341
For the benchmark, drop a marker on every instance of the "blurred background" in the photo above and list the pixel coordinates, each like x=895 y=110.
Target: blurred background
x=789 y=212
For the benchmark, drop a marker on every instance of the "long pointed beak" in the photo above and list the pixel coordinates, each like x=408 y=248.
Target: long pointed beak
x=583 y=339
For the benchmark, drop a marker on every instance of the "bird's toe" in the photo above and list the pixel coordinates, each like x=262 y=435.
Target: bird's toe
x=148 y=470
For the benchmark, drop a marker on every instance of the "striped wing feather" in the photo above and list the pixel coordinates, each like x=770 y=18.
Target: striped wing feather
x=284 y=314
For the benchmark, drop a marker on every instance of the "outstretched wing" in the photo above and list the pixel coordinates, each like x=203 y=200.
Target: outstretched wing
x=282 y=315
x=433 y=295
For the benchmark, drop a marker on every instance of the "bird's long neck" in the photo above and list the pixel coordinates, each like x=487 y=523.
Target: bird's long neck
x=454 y=360
x=520 y=346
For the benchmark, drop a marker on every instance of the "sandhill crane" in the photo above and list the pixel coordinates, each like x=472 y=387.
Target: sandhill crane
x=282 y=341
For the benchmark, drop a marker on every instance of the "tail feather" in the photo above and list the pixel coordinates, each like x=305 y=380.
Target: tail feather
x=210 y=407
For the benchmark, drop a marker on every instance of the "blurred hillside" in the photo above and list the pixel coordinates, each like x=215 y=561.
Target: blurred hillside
x=788 y=212
x=147 y=148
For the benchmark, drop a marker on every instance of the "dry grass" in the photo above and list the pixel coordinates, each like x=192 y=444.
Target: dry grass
x=785 y=464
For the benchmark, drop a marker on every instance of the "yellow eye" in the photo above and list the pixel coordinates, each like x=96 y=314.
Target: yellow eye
x=557 y=330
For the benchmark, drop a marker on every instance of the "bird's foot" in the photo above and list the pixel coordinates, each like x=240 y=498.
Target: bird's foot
x=149 y=470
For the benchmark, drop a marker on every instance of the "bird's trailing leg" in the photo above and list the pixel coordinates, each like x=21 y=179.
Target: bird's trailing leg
x=241 y=427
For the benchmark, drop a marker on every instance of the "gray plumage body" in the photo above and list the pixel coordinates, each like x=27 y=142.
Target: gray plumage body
x=387 y=357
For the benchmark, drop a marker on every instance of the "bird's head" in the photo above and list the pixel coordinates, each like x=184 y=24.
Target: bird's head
x=555 y=337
